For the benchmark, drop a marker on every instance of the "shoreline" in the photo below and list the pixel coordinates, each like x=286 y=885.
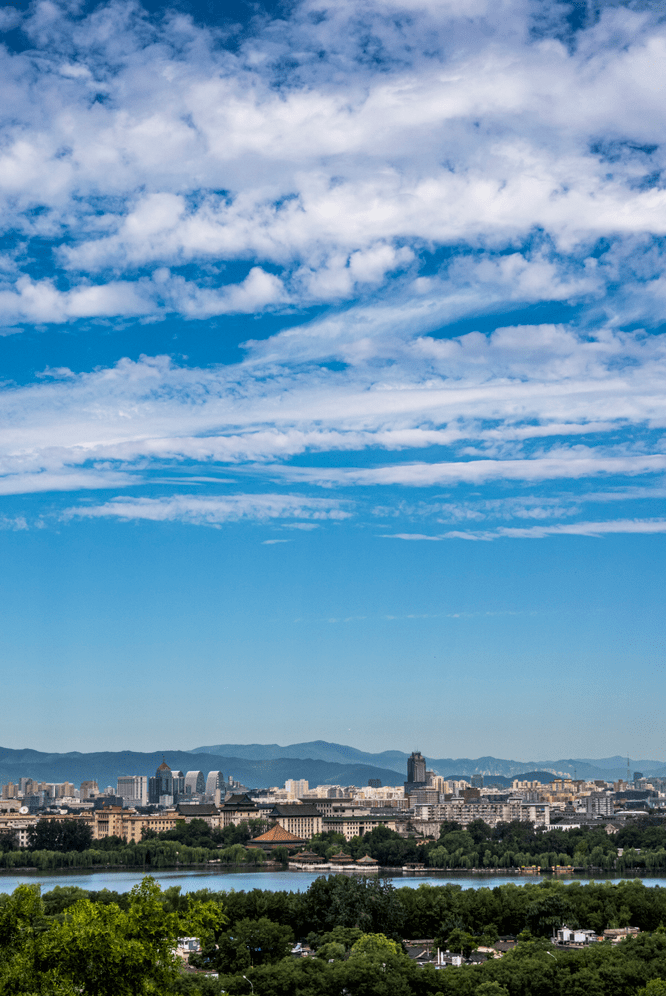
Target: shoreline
x=147 y=869
x=390 y=871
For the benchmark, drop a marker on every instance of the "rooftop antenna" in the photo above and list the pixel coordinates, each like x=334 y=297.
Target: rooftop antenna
x=628 y=773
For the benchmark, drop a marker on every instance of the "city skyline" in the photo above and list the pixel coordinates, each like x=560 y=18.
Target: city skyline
x=333 y=376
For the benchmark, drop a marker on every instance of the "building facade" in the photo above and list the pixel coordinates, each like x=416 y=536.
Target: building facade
x=303 y=821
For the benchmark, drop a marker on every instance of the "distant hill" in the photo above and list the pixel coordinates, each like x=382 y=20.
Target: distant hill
x=320 y=762
x=501 y=781
x=588 y=768
x=105 y=767
x=317 y=750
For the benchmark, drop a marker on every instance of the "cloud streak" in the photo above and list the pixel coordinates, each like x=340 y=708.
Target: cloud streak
x=591 y=529
x=212 y=511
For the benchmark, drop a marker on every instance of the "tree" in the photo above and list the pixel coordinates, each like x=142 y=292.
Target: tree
x=460 y=941
x=656 y=987
x=376 y=946
x=22 y=921
x=106 y=951
x=344 y=936
x=60 y=835
x=253 y=942
x=371 y=905
x=8 y=841
x=479 y=831
x=377 y=967
x=549 y=913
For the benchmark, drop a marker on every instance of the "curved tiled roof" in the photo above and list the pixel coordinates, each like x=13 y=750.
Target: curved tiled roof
x=278 y=834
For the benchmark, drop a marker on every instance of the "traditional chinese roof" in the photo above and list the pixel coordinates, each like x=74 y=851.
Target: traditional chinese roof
x=278 y=835
x=366 y=860
x=342 y=858
x=164 y=767
x=295 y=809
x=239 y=802
x=308 y=858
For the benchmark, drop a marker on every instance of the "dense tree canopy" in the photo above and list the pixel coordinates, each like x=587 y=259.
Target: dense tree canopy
x=60 y=835
x=96 y=948
x=71 y=942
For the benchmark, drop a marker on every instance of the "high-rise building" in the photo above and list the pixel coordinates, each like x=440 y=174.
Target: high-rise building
x=89 y=790
x=296 y=787
x=416 y=769
x=161 y=790
x=194 y=783
x=133 y=790
x=214 y=782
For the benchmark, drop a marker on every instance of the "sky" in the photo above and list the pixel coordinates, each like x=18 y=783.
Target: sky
x=332 y=375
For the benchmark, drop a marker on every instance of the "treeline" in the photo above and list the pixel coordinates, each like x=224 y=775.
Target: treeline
x=433 y=911
x=147 y=854
x=69 y=844
x=510 y=845
x=356 y=929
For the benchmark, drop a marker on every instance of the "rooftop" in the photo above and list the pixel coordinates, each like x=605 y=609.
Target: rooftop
x=278 y=835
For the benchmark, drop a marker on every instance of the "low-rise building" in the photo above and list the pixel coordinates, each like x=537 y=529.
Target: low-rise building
x=575 y=936
x=206 y=811
x=239 y=809
x=356 y=826
x=303 y=820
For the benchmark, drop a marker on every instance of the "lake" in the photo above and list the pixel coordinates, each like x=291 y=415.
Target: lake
x=191 y=879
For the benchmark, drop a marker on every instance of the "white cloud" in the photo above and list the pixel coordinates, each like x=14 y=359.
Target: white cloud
x=572 y=464
x=149 y=144
x=410 y=170
x=531 y=403
x=592 y=529
x=214 y=510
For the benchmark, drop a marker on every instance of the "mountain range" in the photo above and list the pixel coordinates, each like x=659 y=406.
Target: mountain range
x=105 y=767
x=581 y=767
x=320 y=762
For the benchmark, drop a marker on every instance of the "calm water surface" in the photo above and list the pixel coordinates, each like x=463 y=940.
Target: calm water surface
x=190 y=880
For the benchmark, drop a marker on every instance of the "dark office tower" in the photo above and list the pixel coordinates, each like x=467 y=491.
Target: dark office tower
x=161 y=786
x=416 y=768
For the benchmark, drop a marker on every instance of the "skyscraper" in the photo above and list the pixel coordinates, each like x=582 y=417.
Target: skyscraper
x=416 y=769
x=161 y=787
x=194 y=783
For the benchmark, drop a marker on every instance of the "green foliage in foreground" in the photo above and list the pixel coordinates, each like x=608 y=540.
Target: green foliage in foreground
x=94 y=947
x=76 y=943
x=533 y=969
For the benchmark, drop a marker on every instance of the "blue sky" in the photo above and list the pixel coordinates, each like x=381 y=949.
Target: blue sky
x=333 y=360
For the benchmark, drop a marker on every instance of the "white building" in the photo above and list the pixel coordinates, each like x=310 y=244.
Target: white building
x=133 y=790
